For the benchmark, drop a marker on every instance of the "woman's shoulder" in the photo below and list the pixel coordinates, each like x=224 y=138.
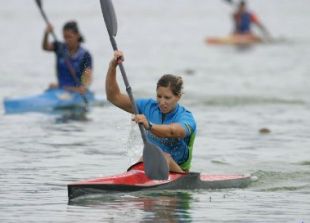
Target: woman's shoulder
x=83 y=54
x=84 y=50
x=146 y=101
x=183 y=111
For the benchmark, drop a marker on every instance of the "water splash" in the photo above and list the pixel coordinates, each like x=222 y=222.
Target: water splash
x=134 y=144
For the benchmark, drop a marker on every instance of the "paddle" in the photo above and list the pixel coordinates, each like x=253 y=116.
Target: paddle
x=229 y=1
x=155 y=164
x=39 y=4
x=69 y=65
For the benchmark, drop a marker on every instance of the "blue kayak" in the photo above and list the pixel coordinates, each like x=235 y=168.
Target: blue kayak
x=49 y=101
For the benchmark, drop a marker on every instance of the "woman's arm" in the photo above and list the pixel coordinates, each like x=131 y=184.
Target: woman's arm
x=113 y=92
x=87 y=77
x=86 y=65
x=173 y=130
x=85 y=83
x=46 y=45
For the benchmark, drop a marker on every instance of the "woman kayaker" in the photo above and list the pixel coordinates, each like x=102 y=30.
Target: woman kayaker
x=73 y=62
x=169 y=125
x=243 y=20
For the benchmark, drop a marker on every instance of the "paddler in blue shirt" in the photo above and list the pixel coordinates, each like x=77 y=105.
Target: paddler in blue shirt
x=243 y=20
x=73 y=62
x=169 y=125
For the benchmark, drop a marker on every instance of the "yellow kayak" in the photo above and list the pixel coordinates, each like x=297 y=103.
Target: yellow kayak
x=235 y=39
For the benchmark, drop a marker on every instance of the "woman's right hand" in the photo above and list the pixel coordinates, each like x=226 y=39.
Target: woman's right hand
x=49 y=28
x=118 y=57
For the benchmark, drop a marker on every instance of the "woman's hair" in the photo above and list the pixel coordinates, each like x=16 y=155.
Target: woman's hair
x=175 y=83
x=242 y=3
x=73 y=26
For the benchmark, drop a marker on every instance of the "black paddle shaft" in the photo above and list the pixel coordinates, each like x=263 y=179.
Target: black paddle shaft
x=39 y=4
x=128 y=89
x=155 y=164
x=230 y=2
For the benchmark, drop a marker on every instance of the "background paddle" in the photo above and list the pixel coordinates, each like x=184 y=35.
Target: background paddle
x=229 y=1
x=155 y=164
x=67 y=62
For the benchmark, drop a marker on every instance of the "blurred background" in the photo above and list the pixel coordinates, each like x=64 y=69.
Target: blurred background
x=232 y=91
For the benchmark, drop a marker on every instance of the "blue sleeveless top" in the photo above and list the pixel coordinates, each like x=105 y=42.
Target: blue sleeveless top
x=79 y=62
x=244 y=23
x=179 y=148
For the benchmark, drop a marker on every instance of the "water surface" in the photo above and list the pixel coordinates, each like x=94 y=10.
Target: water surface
x=232 y=92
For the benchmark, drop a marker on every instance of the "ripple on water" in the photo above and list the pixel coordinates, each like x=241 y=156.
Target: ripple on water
x=281 y=181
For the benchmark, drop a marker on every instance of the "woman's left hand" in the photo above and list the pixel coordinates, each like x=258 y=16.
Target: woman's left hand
x=141 y=119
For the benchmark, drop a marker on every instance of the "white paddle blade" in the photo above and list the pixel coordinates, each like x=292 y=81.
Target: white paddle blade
x=109 y=16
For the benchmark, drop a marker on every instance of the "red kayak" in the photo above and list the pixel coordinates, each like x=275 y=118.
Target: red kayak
x=135 y=179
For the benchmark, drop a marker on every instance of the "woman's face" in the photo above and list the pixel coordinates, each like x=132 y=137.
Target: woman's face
x=166 y=99
x=71 y=38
